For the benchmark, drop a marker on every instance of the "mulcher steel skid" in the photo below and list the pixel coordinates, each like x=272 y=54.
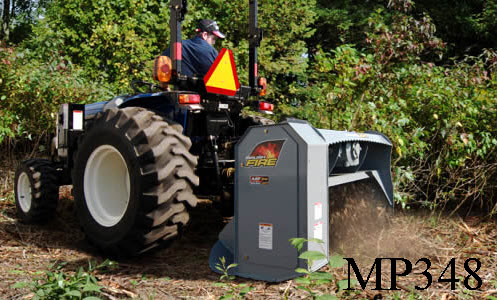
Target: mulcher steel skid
x=138 y=162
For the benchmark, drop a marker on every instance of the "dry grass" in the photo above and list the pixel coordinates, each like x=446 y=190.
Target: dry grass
x=182 y=271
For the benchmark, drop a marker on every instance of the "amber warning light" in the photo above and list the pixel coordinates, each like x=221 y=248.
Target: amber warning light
x=162 y=69
x=262 y=86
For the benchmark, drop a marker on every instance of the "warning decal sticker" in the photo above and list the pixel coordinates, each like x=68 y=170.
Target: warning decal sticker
x=318 y=230
x=265 y=154
x=318 y=211
x=265 y=236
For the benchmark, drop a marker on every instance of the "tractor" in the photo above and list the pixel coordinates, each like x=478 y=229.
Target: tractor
x=138 y=163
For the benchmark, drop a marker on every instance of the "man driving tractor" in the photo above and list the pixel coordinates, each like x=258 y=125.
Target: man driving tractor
x=198 y=52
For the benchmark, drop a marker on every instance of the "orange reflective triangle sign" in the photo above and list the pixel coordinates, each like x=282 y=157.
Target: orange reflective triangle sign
x=222 y=77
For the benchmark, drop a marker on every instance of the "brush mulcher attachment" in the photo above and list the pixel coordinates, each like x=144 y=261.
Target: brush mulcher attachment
x=282 y=179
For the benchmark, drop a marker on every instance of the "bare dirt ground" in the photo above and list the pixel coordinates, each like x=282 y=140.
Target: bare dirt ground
x=360 y=230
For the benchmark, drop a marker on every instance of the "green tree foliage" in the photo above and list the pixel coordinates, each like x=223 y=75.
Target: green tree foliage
x=342 y=21
x=347 y=65
x=467 y=26
x=32 y=90
x=17 y=17
x=109 y=39
x=438 y=118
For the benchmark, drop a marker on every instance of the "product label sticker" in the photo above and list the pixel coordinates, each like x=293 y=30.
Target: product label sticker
x=265 y=236
x=318 y=210
x=318 y=230
x=259 y=180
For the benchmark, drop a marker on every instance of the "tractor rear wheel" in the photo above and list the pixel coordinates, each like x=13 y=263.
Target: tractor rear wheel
x=36 y=190
x=133 y=178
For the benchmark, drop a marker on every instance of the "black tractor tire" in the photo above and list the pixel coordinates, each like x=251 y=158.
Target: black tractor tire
x=36 y=190
x=127 y=215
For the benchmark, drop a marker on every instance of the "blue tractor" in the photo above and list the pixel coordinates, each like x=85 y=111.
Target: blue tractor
x=138 y=162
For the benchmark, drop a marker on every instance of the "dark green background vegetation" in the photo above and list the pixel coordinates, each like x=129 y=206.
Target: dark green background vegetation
x=421 y=72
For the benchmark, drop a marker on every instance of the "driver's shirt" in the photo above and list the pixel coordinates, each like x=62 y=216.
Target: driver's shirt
x=197 y=55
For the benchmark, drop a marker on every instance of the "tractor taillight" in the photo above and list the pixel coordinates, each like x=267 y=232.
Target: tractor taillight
x=189 y=99
x=265 y=106
x=262 y=86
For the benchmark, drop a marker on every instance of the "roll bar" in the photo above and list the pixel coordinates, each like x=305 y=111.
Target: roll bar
x=179 y=8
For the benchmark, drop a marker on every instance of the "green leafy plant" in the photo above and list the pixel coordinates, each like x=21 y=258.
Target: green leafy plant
x=222 y=267
x=313 y=279
x=56 y=284
x=235 y=291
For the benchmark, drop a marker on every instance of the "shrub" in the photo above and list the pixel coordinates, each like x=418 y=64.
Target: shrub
x=56 y=284
x=439 y=118
x=33 y=89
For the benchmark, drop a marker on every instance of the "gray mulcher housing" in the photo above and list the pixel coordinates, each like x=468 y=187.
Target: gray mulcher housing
x=290 y=199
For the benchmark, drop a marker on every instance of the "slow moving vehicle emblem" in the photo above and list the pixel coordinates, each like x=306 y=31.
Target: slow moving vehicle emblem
x=222 y=77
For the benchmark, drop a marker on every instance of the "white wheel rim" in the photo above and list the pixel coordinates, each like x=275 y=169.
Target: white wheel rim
x=106 y=185
x=24 y=193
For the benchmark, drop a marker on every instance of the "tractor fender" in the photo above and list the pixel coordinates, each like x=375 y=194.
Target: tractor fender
x=148 y=101
x=153 y=101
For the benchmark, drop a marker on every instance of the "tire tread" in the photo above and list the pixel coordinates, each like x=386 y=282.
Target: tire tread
x=45 y=190
x=166 y=173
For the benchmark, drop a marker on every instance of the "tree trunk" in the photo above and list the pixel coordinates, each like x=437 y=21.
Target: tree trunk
x=5 y=19
x=13 y=11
